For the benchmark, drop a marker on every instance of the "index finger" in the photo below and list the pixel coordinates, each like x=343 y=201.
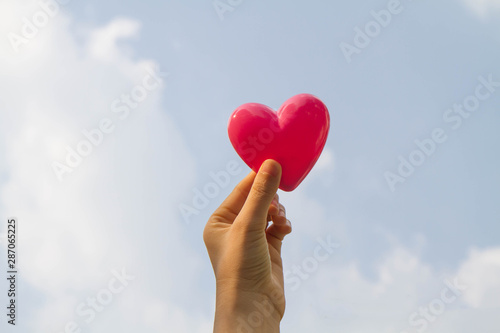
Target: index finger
x=232 y=205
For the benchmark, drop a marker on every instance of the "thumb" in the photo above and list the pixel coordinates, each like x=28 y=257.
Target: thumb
x=266 y=183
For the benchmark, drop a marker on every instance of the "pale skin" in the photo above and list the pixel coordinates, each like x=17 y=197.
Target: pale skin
x=245 y=251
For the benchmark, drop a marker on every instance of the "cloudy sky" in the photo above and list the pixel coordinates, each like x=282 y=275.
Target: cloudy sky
x=113 y=116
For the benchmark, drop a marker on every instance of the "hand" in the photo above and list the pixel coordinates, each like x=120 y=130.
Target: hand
x=245 y=252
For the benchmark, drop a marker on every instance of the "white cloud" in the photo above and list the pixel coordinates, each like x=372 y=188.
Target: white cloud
x=103 y=42
x=483 y=8
x=340 y=298
x=482 y=272
x=326 y=160
x=115 y=209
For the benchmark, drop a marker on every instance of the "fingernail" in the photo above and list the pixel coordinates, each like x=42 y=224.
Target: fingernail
x=270 y=168
x=282 y=213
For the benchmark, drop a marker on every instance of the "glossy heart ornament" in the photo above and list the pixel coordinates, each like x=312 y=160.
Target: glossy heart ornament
x=294 y=136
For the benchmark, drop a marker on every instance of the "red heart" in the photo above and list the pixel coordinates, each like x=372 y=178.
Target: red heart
x=294 y=136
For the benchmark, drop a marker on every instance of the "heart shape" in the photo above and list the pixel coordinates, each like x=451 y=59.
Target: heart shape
x=294 y=136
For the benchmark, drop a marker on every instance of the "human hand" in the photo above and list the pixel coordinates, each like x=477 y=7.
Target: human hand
x=245 y=252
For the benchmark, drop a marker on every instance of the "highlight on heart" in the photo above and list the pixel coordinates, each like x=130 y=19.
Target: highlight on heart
x=294 y=136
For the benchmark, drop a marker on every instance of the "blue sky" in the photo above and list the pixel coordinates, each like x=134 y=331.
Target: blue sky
x=119 y=208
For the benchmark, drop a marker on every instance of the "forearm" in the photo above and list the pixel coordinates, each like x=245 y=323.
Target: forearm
x=245 y=312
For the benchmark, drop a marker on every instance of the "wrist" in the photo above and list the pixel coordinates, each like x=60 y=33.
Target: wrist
x=243 y=311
